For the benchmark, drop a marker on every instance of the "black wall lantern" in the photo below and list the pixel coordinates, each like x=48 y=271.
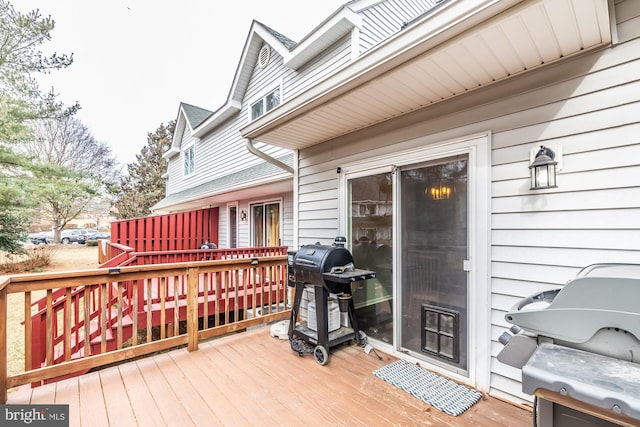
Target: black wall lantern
x=543 y=169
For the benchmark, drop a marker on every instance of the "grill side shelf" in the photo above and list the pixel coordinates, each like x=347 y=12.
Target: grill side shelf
x=355 y=275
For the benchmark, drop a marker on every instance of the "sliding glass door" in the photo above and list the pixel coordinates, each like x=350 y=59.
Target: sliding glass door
x=428 y=216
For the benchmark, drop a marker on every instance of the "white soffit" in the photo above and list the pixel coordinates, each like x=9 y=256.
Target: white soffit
x=527 y=36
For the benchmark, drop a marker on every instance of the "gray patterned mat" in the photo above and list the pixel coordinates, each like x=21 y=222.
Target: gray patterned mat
x=441 y=393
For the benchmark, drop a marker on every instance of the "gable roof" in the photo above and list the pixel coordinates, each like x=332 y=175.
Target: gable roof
x=295 y=55
x=187 y=115
x=194 y=115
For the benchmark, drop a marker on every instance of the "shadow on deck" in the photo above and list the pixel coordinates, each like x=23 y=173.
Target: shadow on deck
x=251 y=378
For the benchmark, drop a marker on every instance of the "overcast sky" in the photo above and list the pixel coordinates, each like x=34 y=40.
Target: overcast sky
x=136 y=60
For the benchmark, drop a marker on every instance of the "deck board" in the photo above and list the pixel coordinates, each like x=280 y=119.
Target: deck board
x=145 y=409
x=252 y=379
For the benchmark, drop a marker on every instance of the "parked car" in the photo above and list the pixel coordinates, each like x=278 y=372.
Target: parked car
x=42 y=238
x=76 y=235
x=98 y=236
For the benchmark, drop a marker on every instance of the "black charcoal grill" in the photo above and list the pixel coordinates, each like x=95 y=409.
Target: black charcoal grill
x=579 y=348
x=328 y=270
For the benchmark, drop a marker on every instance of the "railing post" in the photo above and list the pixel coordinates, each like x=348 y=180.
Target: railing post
x=3 y=346
x=192 y=309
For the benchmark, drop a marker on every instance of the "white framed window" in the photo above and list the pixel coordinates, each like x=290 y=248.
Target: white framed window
x=266 y=223
x=189 y=160
x=232 y=225
x=266 y=103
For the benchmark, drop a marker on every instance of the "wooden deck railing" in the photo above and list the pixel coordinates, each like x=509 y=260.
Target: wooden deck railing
x=98 y=319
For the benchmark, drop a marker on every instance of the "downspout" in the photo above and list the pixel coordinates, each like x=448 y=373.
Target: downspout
x=252 y=149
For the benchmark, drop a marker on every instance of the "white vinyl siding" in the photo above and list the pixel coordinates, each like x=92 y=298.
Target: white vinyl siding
x=539 y=240
x=627 y=14
x=386 y=18
x=286 y=216
x=224 y=144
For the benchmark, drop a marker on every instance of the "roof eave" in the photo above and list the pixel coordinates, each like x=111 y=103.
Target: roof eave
x=328 y=33
x=230 y=109
x=450 y=20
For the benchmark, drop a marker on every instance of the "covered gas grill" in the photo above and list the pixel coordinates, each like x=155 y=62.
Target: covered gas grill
x=579 y=348
x=323 y=314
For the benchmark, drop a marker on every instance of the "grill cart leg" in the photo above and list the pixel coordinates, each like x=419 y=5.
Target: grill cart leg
x=322 y=316
x=299 y=287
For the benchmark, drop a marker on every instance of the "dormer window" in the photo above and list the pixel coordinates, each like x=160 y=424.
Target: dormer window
x=265 y=104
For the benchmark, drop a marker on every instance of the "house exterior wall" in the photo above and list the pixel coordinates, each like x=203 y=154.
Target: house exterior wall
x=385 y=18
x=286 y=216
x=380 y=21
x=627 y=14
x=538 y=240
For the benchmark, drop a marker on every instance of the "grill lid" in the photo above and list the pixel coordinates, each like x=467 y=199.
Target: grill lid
x=327 y=265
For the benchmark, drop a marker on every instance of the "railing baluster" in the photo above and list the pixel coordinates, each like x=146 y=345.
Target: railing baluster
x=218 y=293
x=120 y=304
x=135 y=310
x=149 y=309
x=49 y=328
x=103 y=317
x=87 y=319
x=176 y=305
x=27 y=332
x=236 y=295
x=205 y=300
x=67 y=325
x=227 y=291
x=163 y=314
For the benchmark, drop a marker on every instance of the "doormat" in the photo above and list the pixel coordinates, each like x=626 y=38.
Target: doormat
x=443 y=394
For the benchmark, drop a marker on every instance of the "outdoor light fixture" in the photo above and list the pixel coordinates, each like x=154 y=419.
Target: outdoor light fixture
x=543 y=169
x=243 y=216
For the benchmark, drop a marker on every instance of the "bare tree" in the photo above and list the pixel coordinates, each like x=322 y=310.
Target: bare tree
x=82 y=167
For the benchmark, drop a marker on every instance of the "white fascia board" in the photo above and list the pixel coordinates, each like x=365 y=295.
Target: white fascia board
x=173 y=151
x=449 y=20
x=270 y=39
x=227 y=111
x=176 y=140
x=324 y=36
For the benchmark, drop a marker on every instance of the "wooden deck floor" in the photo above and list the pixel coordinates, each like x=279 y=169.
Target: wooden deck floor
x=253 y=379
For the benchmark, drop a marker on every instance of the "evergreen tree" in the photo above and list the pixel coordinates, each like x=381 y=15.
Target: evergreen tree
x=20 y=101
x=144 y=186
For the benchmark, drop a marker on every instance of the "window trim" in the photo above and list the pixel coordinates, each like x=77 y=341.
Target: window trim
x=263 y=202
x=189 y=147
x=237 y=222
x=263 y=99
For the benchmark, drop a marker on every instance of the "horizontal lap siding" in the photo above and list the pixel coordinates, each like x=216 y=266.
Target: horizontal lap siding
x=539 y=240
x=627 y=14
x=384 y=19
